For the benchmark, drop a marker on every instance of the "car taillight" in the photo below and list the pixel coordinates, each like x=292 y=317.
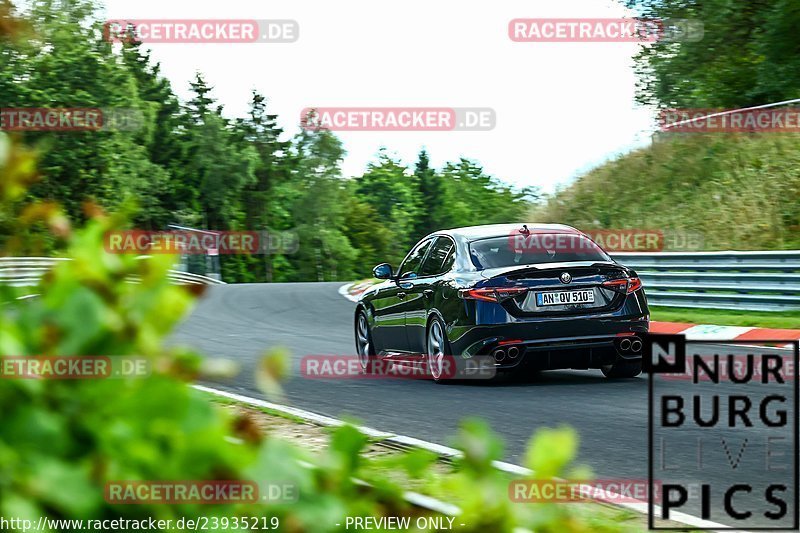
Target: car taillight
x=494 y=294
x=628 y=284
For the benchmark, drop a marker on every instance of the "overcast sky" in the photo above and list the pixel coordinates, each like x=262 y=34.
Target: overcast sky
x=561 y=108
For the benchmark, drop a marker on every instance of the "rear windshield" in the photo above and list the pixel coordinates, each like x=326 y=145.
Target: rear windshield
x=534 y=248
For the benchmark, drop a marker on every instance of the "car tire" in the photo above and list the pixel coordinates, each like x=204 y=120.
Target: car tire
x=365 y=349
x=622 y=369
x=437 y=348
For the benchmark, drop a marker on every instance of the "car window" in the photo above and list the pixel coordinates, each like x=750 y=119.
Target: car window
x=449 y=260
x=435 y=262
x=410 y=267
x=537 y=248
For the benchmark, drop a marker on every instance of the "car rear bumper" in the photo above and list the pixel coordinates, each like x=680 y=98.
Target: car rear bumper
x=561 y=354
x=549 y=345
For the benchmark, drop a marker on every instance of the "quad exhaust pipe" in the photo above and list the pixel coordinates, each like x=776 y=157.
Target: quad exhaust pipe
x=513 y=352
x=499 y=354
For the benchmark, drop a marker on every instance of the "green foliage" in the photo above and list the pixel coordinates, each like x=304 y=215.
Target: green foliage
x=483 y=491
x=67 y=65
x=394 y=195
x=738 y=191
x=749 y=54
x=431 y=189
x=470 y=194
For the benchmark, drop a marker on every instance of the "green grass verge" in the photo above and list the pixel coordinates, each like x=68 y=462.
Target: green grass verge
x=738 y=191
x=724 y=317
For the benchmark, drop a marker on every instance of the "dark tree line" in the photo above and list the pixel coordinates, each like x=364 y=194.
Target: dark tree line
x=191 y=165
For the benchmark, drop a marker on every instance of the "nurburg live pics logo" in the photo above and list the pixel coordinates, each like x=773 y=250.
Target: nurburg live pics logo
x=723 y=443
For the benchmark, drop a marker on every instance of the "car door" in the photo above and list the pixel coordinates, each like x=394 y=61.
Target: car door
x=420 y=296
x=392 y=301
x=388 y=330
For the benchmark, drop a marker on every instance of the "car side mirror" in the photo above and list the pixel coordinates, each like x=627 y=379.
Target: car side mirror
x=383 y=271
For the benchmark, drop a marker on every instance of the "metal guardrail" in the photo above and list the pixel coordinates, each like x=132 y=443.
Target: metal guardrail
x=27 y=271
x=753 y=281
x=757 y=281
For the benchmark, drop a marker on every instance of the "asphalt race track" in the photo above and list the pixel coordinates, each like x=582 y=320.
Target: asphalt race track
x=240 y=322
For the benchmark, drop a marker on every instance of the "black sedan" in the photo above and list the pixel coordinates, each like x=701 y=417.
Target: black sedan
x=523 y=297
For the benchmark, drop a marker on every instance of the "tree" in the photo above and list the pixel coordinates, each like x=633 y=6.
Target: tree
x=373 y=240
x=431 y=191
x=69 y=65
x=749 y=54
x=219 y=168
x=164 y=140
x=473 y=197
x=393 y=193
x=264 y=200
x=318 y=201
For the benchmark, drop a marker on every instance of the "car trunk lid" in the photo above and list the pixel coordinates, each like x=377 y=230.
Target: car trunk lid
x=558 y=288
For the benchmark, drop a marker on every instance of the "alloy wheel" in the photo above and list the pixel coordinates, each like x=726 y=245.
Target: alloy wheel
x=436 y=349
x=362 y=341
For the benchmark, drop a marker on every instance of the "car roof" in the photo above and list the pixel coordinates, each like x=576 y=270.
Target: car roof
x=472 y=233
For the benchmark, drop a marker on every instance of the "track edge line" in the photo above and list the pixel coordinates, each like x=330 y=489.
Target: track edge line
x=441 y=450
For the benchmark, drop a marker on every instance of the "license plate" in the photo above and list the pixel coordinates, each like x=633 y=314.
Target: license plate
x=565 y=297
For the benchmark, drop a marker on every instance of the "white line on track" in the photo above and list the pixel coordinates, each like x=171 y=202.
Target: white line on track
x=445 y=451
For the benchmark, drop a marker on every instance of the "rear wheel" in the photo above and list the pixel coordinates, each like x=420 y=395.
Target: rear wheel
x=364 y=346
x=438 y=351
x=622 y=369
